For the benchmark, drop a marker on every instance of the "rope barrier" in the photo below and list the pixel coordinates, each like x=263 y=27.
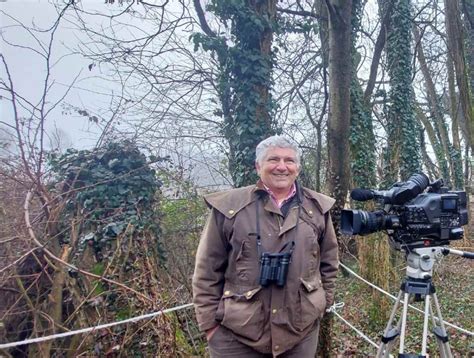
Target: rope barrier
x=95 y=328
x=333 y=309
x=394 y=298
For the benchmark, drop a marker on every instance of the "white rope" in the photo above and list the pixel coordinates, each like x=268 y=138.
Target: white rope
x=154 y=314
x=91 y=329
x=336 y=306
x=395 y=298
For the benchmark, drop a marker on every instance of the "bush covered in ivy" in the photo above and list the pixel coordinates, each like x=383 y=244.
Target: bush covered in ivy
x=112 y=188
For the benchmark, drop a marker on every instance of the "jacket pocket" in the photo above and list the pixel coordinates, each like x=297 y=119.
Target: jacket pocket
x=311 y=303
x=313 y=258
x=246 y=262
x=243 y=313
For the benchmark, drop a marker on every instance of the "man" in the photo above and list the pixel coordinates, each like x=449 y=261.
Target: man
x=245 y=301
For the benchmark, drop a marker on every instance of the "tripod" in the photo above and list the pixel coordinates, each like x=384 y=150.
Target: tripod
x=418 y=282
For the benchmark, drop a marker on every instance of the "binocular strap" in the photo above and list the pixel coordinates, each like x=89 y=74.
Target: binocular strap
x=257 y=234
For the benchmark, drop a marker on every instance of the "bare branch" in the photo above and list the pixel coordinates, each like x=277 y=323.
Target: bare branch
x=67 y=264
x=202 y=19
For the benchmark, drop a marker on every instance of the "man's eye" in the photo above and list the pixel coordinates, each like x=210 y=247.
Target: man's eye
x=291 y=161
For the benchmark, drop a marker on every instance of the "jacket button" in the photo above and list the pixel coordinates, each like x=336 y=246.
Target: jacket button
x=274 y=310
x=231 y=212
x=310 y=287
x=310 y=212
x=277 y=347
x=248 y=294
x=227 y=293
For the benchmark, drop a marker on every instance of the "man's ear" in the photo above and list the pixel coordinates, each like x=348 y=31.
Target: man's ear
x=257 y=168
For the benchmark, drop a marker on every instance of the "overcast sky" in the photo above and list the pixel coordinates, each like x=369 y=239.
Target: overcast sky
x=28 y=70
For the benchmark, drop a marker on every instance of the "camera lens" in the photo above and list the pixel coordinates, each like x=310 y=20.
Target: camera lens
x=359 y=222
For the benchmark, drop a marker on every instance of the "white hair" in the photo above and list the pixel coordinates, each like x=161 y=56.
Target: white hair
x=276 y=141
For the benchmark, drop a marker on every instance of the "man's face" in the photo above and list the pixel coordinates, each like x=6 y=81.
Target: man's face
x=279 y=169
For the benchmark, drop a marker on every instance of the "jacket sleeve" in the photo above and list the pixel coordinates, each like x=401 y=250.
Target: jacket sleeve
x=208 y=278
x=329 y=260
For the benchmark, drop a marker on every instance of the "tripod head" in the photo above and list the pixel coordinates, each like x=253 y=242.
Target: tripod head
x=420 y=261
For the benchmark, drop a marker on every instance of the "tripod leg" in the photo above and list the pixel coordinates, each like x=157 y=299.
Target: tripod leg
x=390 y=333
x=440 y=331
x=424 y=343
x=404 y=322
x=442 y=349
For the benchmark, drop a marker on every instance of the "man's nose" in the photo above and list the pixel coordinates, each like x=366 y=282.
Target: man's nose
x=281 y=165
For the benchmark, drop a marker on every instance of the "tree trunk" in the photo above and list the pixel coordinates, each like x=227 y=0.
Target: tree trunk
x=385 y=14
x=404 y=154
x=430 y=131
x=430 y=167
x=458 y=179
x=443 y=151
x=339 y=121
x=324 y=38
x=457 y=53
x=339 y=99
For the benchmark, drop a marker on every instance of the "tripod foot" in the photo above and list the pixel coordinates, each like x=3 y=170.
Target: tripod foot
x=390 y=336
x=440 y=334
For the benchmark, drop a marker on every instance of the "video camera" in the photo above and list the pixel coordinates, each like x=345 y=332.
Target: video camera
x=412 y=218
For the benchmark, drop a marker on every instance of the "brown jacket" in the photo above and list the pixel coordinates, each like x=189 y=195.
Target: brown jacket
x=226 y=278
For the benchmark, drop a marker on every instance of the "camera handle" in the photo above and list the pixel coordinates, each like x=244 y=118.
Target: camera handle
x=468 y=255
x=418 y=282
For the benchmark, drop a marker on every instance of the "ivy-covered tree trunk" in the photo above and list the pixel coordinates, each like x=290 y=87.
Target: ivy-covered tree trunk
x=403 y=147
x=245 y=77
x=362 y=138
x=252 y=74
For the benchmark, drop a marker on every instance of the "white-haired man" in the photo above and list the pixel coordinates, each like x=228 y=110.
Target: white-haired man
x=266 y=263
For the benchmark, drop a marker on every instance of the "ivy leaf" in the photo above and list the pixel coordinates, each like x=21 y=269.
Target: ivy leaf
x=113 y=163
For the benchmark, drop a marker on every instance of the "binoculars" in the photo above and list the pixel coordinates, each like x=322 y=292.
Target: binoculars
x=274 y=268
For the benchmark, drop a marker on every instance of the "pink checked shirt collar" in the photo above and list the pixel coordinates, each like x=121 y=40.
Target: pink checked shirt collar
x=279 y=204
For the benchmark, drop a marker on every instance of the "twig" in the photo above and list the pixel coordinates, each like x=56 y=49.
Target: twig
x=57 y=259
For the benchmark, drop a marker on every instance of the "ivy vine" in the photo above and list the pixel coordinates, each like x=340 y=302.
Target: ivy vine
x=245 y=79
x=403 y=141
x=362 y=138
x=112 y=189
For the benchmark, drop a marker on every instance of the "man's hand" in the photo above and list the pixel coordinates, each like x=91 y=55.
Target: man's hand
x=210 y=332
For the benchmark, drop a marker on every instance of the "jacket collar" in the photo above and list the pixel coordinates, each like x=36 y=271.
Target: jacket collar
x=230 y=202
